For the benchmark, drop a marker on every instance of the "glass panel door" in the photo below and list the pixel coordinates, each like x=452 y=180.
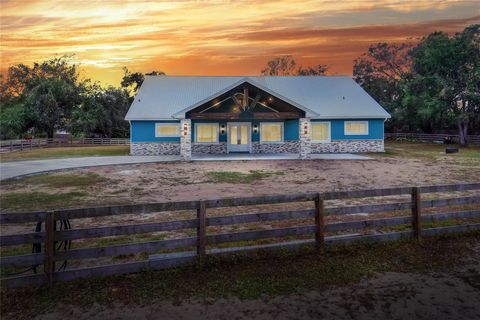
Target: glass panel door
x=233 y=135
x=238 y=137
x=244 y=134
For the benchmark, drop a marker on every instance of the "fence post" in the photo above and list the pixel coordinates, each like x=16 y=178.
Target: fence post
x=416 y=213
x=201 y=230
x=319 y=220
x=49 y=266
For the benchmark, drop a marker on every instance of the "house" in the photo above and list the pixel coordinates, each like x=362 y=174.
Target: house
x=189 y=115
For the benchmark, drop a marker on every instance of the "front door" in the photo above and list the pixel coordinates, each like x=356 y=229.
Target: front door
x=238 y=137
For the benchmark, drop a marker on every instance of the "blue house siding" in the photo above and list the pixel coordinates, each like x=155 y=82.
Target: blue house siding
x=290 y=128
x=375 y=129
x=144 y=131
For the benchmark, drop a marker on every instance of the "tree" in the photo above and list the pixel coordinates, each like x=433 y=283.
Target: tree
x=452 y=65
x=383 y=72
x=45 y=93
x=133 y=80
x=50 y=96
x=115 y=104
x=318 y=70
x=286 y=66
x=101 y=113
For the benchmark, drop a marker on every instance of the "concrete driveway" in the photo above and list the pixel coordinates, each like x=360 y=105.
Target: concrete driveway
x=21 y=168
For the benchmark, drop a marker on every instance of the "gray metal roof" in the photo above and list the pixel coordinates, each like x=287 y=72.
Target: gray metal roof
x=326 y=97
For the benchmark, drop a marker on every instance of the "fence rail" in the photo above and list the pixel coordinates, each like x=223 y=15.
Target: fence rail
x=182 y=247
x=27 y=144
x=427 y=137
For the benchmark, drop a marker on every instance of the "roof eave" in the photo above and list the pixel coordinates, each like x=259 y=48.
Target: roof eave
x=181 y=114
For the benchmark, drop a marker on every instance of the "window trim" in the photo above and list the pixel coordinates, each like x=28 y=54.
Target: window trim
x=329 y=131
x=164 y=124
x=365 y=133
x=282 y=128
x=217 y=130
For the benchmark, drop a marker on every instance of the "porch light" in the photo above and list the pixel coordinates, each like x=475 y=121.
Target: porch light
x=222 y=129
x=255 y=128
x=185 y=130
x=305 y=129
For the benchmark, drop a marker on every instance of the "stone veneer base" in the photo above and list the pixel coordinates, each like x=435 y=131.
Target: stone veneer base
x=154 y=148
x=336 y=146
x=217 y=148
x=284 y=147
x=348 y=146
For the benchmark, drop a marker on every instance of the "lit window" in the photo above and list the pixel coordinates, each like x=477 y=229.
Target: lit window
x=320 y=131
x=206 y=132
x=356 y=127
x=167 y=130
x=271 y=132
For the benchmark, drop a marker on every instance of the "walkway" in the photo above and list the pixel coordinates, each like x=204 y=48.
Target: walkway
x=20 y=168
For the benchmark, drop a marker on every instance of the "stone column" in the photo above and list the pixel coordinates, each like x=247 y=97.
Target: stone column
x=304 y=136
x=186 y=139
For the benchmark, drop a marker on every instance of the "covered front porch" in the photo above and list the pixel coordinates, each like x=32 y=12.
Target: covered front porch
x=245 y=119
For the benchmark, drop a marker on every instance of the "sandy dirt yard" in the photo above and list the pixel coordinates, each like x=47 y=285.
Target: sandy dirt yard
x=387 y=296
x=395 y=293
x=181 y=181
x=391 y=295
x=404 y=164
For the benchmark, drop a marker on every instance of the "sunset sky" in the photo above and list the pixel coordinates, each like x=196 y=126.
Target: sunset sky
x=215 y=37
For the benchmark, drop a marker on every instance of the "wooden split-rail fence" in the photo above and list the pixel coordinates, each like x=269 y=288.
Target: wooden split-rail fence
x=28 y=144
x=203 y=242
x=431 y=137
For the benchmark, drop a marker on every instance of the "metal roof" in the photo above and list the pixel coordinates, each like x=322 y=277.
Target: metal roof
x=326 y=97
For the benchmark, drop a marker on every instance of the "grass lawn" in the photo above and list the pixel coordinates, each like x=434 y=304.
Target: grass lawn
x=65 y=152
x=419 y=150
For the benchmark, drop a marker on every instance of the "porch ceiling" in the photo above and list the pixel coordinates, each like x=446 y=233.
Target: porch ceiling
x=259 y=104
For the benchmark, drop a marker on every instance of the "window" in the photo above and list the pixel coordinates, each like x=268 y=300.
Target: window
x=206 y=132
x=356 y=127
x=271 y=132
x=163 y=130
x=321 y=131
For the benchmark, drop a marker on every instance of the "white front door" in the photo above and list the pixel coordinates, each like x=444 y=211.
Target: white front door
x=238 y=136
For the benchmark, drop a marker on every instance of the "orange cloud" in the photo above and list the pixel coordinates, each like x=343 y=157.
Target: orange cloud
x=214 y=37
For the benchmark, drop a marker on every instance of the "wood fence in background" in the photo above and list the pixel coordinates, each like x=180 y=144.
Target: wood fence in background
x=427 y=137
x=27 y=144
x=178 y=251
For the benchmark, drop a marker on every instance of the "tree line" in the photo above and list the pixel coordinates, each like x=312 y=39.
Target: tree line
x=431 y=86
x=37 y=101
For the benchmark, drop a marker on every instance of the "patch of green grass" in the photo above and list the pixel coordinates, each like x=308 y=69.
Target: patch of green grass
x=38 y=200
x=16 y=250
x=59 y=180
x=239 y=177
x=127 y=239
x=433 y=224
x=427 y=151
x=65 y=152
x=249 y=276
x=120 y=191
